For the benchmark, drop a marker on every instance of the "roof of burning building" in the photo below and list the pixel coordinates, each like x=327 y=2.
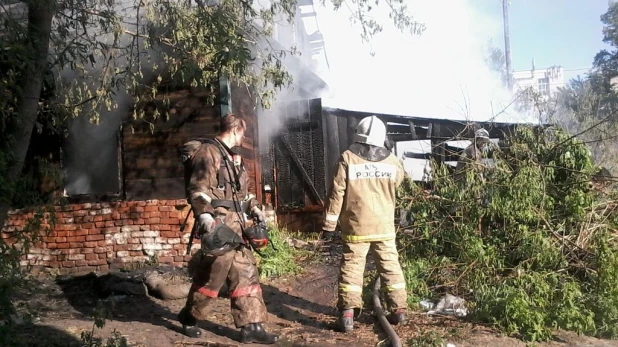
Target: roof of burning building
x=404 y=128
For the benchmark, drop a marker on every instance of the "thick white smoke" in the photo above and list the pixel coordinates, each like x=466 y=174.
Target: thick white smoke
x=440 y=74
x=304 y=69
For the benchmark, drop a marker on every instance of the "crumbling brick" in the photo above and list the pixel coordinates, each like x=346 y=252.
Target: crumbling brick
x=90 y=237
x=68 y=263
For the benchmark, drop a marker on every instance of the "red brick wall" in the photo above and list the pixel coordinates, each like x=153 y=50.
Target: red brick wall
x=102 y=236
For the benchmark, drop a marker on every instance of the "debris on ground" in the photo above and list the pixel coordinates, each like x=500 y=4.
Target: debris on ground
x=301 y=309
x=448 y=305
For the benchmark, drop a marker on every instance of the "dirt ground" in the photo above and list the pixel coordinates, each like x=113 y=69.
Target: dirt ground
x=301 y=310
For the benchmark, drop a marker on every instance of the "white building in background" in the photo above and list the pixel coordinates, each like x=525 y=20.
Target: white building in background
x=543 y=81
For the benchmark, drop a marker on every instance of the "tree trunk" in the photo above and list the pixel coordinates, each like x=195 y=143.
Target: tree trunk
x=40 y=15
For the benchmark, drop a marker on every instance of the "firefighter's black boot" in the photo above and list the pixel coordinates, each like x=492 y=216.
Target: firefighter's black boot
x=346 y=320
x=255 y=333
x=398 y=317
x=189 y=324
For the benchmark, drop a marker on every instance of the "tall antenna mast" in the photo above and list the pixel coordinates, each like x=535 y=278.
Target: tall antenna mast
x=507 y=44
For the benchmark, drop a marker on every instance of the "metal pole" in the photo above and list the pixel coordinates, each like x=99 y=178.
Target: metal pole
x=507 y=44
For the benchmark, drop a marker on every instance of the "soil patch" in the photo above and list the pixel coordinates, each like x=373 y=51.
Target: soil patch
x=302 y=310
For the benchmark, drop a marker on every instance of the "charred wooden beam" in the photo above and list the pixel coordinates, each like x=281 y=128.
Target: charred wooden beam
x=405 y=137
x=449 y=135
x=342 y=125
x=450 y=129
x=412 y=130
x=331 y=147
x=352 y=124
x=437 y=145
x=302 y=170
x=419 y=121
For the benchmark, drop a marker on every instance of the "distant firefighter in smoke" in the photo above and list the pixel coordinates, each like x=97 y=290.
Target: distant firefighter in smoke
x=217 y=191
x=472 y=155
x=362 y=199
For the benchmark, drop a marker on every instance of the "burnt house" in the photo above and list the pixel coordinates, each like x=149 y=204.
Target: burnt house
x=123 y=198
x=297 y=167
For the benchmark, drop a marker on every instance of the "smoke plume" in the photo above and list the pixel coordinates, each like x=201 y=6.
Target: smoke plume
x=439 y=74
x=305 y=71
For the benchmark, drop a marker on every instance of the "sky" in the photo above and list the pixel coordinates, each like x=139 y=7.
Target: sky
x=442 y=73
x=549 y=30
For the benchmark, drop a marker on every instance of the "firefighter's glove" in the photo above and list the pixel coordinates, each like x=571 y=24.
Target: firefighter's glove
x=258 y=214
x=206 y=223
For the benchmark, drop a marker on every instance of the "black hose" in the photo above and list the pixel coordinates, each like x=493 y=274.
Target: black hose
x=377 y=306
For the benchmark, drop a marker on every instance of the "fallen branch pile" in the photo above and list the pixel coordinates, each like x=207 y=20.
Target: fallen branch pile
x=530 y=242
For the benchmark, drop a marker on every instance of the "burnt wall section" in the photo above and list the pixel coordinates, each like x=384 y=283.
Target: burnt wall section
x=298 y=157
x=152 y=168
x=102 y=236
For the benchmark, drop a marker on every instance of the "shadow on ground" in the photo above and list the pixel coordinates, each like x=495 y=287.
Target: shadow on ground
x=124 y=299
x=39 y=336
x=290 y=307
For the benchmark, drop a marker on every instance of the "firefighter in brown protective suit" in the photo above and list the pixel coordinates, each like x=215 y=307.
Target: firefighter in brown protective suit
x=217 y=189
x=472 y=155
x=362 y=199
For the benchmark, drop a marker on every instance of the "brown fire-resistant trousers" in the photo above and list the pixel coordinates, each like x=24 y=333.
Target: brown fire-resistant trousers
x=353 y=268
x=237 y=269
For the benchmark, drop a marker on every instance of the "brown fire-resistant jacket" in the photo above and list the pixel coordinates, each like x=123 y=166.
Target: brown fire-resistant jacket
x=362 y=197
x=469 y=157
x=205 y=194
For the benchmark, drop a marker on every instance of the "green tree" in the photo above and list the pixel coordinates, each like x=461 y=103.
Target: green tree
x=111 y=49
x=587 y=106
x=605 y=62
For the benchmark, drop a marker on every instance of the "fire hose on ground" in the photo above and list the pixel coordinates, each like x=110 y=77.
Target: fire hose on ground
x=388 y=328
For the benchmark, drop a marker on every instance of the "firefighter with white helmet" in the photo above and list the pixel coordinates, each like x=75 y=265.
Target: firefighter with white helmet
x=362 y=200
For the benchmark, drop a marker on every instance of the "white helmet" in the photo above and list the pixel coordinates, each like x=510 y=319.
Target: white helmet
x=481 y=133
x=372 y=131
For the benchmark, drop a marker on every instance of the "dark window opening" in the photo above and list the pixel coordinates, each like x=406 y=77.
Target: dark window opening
x=90 y=162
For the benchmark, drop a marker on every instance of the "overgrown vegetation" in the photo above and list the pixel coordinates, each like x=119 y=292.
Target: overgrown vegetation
x=530 y=245
x=427 y=339
x=13 y=276
x=587 y=105
x=285 y=260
